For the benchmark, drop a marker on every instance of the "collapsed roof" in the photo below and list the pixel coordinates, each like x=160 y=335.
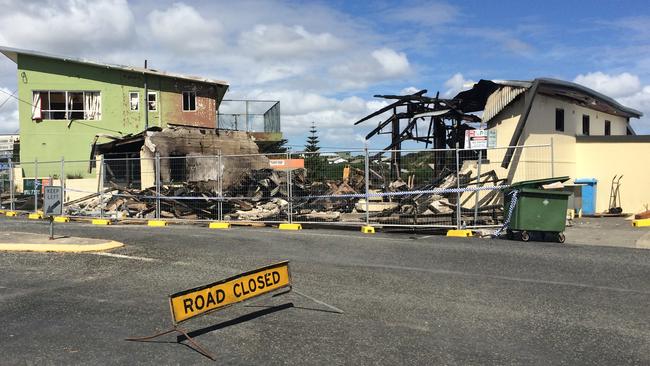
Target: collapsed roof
x=476 y=98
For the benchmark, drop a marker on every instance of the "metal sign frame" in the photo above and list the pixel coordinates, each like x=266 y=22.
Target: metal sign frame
x=224 y=282
x=52 y=200
x=197 y=346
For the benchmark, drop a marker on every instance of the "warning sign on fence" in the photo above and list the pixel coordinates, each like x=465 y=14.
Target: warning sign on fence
x=283 y=164
x=200 y=300
x=480 y=139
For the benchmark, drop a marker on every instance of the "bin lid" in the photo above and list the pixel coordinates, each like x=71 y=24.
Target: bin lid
x=545 y=192
x=586 y=180
x=538 y=183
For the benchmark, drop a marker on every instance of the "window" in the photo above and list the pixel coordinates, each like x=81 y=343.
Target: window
x=152 y=101
x=134 y=101
x=189 y=101
x=559 y=119
x=608 y=128
x=66 y=105
x=585 y=125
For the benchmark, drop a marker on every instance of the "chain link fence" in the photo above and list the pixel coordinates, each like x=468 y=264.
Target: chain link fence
x=450 y=188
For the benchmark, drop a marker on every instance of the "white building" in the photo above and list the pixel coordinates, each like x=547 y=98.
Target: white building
x=590 y=134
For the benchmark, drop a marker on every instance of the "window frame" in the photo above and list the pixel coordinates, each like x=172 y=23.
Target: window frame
x=586 y=125
x=559 y=127
x=138 y=98
x=67 y=109
x=188 y=92
x=155 y=94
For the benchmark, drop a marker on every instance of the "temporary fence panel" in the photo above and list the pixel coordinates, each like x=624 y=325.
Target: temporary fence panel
x=401 y=184
x=413 y=188
x=328 y=187
x=255 y=188
x=189 y=187
x=126 y=188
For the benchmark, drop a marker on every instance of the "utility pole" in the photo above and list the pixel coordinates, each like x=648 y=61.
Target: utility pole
x=146 y=99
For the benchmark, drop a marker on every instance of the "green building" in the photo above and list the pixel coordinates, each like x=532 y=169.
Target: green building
x=66 y=104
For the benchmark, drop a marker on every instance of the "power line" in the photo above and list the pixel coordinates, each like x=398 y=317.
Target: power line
x=7 y=99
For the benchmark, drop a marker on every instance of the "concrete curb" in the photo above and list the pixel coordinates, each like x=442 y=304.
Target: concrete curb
x=66 y=248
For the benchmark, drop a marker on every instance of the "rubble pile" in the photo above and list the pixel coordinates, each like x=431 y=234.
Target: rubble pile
x=262 y=195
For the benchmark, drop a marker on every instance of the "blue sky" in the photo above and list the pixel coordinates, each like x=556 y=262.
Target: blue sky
x=325 y=60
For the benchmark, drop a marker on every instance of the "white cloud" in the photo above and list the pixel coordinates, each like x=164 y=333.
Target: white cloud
x=308 y=56
x=620 y=85
x=363 y=69
x=393 y=63
x=277 y=40
x=409 y=90
x=626 y=88
x=456 y=84
x=66 y=26
x=8 y=111
x=427 y=14
x=183 y=29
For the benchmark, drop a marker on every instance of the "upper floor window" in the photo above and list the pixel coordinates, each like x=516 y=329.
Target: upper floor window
x=189 y=101
x=152 y=101
x=608 y=128
x=66 y=105
x=585 y=125
x=559 y=119
x=134 y=101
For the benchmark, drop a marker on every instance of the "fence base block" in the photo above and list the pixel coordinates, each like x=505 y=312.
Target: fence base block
x=459 y=233
x=157 y=223
x=101 y=222
x=641 y=223
x=368 y=229
x=290 y=227
x=219 y=225
x=61 y=219
x=11 y=213
x=35 y=216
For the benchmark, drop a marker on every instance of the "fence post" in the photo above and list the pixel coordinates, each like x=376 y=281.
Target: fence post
x=552 y=159
x=219 y=186
x=35 y=184
x=62 y=179
x=101 y=186
x=11 y=185
x=289 y=190
x=157 y=172
x=458 y=206
x=478 y=185
x=367 y=179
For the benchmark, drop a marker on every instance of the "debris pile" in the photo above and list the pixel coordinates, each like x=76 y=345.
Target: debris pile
x=263 y=195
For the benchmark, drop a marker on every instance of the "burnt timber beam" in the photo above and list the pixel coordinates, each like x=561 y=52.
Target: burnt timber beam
x=396 y=156
x=390 y=106
x=529 y=97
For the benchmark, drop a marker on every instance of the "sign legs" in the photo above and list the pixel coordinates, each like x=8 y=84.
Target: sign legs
x=195 y=344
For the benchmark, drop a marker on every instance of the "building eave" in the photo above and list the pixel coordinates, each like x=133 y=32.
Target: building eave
x=12 y=54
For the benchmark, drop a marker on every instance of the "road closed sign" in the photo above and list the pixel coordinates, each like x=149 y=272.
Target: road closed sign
x=204 y=299
x=52 y=204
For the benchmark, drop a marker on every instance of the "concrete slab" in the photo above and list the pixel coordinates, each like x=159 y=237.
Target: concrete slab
x=607 y=231
x=19 y=241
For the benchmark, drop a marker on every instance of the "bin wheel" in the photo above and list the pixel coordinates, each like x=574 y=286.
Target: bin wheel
x=525 y=236
x=560 y=238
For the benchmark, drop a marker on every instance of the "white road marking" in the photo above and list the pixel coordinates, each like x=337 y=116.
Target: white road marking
x=502 y=278
x=114 y=255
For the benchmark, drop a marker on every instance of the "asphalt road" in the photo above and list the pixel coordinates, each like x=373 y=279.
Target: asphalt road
x=408 y=300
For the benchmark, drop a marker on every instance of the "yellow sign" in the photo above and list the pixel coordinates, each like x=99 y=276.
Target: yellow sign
x=200 y=300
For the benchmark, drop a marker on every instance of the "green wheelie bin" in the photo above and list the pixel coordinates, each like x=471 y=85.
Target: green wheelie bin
x=535 y=212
